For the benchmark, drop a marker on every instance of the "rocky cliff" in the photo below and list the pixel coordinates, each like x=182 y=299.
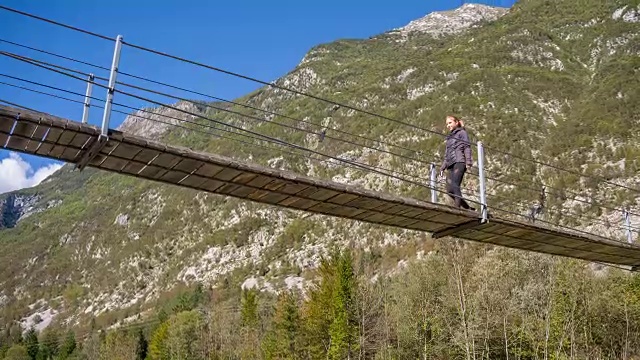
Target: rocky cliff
x=528 y=79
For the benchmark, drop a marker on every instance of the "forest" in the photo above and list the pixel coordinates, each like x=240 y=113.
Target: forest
x=463 y=301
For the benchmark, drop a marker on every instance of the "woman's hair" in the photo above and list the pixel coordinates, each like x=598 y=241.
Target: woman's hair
x=458 y=120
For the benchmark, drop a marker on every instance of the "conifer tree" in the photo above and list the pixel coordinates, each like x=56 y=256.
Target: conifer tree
x=250 y=323
x=249 y=308
x=142 y=346
x=69 y=345
x=162 y=315
x=330 y=316
x=282 y=341
x=197 y=296
x=49 y=343
x=158 y=343
x=343 y=329
x=317 y=314
x=31 y=343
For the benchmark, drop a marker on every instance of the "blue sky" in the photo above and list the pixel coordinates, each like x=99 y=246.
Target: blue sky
x=257 y=38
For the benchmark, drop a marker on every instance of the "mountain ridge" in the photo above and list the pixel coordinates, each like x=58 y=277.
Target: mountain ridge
x=444 y=23
x=534 y=79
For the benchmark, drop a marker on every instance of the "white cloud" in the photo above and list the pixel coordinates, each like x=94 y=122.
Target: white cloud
x=15 y=173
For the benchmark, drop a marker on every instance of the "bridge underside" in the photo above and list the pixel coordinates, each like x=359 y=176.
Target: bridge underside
x=48 y=136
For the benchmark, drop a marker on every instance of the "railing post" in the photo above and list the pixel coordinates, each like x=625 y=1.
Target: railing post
x=433 y=183
x=627 y=222
x=112 y=86
x=483 y=194
x=103 y=138
x=87 y=99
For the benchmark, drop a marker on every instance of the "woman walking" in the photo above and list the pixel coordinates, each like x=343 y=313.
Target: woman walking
x=457 y=159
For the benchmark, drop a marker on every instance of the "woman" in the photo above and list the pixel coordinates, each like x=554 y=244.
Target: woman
x=457 y=159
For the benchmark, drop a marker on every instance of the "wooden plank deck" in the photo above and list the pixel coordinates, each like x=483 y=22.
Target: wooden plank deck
x=48 y=136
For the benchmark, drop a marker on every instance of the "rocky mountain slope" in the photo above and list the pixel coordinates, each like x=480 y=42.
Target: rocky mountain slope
x=442 y=23
x=103 y=246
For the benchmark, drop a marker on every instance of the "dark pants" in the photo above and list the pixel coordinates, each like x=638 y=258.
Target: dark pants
x=454 y=179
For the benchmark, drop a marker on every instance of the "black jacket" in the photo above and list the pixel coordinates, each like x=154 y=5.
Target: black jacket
x=458 y=149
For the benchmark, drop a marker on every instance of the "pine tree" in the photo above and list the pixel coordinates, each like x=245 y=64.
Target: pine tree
x=249 y=310
x=50 y=341
x=317 y=314
x=31 y=343
x=330 y=314
x=282 y=341
x=162 y=315
x=198 y=295
x=142 y=346
x=158 y=343
x=184 y=303
x=289 y=323
x=343 y=329
x=250 y=324
x=69 y=345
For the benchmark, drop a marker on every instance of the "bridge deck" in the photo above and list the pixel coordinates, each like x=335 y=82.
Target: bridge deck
x=48 y=136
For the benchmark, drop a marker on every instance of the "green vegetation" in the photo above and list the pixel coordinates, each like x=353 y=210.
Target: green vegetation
x=49 y=346
x=448 y=306
x=552 y=80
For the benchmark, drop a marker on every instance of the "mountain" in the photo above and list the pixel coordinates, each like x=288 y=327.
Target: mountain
x=443 y=23
x=554 y=81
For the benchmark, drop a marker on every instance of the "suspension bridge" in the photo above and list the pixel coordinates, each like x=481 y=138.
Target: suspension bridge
x=27 y=130
x=48 y=136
